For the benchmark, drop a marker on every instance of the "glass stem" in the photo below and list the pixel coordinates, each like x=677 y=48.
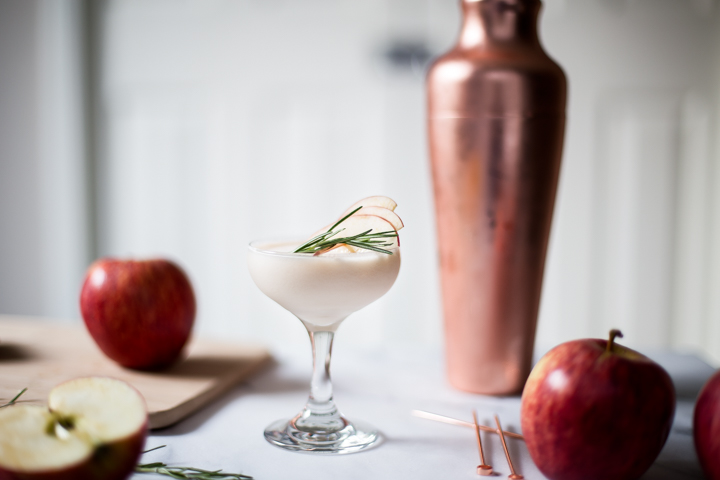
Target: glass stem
x=321 y=385
x=320 y=413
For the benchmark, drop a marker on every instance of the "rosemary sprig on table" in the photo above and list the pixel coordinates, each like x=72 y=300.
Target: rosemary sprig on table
x=15 y=398
x=187 y=472
x=366 y=240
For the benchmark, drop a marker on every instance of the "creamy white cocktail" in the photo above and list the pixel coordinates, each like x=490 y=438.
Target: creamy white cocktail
x=339 y=270
x=321 y=290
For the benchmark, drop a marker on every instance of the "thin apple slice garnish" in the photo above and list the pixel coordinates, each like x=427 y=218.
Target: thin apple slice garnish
x=369 y=224
x=360 y=223
x=364 y=225
x=384 y=213
x=375 y=201
x=93 y=428
x=321 y=231
x=337 y=249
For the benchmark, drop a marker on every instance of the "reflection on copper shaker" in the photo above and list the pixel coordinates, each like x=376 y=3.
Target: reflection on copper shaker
x=496 y=120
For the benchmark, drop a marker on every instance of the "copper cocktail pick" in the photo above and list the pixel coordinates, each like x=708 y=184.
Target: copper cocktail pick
x=482 y=469
x=461 y=423
x=507 y=454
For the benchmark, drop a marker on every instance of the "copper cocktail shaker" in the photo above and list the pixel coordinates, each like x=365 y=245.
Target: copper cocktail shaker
x=496 y=119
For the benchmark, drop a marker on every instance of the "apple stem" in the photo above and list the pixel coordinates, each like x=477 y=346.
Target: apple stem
x=613 y=333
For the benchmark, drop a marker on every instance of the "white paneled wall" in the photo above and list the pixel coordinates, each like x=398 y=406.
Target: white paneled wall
x=630 y=245
x=63 y=193
x=226 y=121
x=711 y=261
x=635 y=230
x=44 y=233
x=219 y=121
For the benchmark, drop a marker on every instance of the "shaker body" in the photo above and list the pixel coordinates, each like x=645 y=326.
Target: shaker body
x=496 y=120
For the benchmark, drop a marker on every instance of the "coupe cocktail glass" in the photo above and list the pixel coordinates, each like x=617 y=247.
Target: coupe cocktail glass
x=321 y=291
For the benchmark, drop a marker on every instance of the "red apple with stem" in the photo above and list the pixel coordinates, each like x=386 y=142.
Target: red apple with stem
x=594 y=410
x=140 y=313
x=92 y=429
x=706 y=427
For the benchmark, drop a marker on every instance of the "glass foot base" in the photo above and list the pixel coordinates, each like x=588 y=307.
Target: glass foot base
x=352 y=438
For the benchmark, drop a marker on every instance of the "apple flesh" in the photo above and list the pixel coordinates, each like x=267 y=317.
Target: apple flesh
x=592 y=409
x=374 y=201
x=383 y=213
x=369 y=214
x=93 y=428
x=140 y=313
x=706 y=427
x=358 y=224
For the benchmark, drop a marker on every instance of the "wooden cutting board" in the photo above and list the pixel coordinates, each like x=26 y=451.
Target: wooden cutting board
x=39 y=354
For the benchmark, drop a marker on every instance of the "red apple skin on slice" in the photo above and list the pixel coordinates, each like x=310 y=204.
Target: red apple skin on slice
x=140 y=313
x=379 y=206
x=384 y=213
x=706 y=427
x=105 y=424
x=362 y=223
x=374 y=201
x=595 y=415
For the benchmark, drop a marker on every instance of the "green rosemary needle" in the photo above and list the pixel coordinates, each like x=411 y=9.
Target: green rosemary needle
x=366 y=240
x=15 y=398
x=188 y=472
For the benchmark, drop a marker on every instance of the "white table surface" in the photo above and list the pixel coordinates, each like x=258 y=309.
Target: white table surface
x=382 y=387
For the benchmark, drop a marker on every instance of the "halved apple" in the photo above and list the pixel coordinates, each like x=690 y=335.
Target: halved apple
x=93 y=428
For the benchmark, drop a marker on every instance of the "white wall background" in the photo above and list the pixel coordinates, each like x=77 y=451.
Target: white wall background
x=219 y=121
x=44 y=228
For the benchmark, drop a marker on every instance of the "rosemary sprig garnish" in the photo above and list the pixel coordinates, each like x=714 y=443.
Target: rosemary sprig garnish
x=15 y=398
x=366 y=240
x=187 y=472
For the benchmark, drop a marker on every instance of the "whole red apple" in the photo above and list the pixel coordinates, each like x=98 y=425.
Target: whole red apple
x=592 y=409
x=92 y=429
x=140 y=313
x=706 y=427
